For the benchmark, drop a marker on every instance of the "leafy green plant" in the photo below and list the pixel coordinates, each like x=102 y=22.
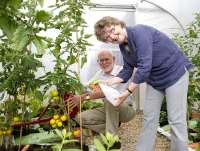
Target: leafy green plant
x=190 y=44
x=106 y=142
x=194 y=129
x=22 y=46
x=91 y=104
x=64 y=135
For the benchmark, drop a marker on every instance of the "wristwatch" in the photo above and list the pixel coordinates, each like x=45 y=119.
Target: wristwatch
x=129 y=90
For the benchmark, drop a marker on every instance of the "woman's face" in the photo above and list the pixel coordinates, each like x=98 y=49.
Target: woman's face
x=115 y=34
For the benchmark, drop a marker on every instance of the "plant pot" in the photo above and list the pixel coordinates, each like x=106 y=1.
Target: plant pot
x=194 y=145
x=195 y=115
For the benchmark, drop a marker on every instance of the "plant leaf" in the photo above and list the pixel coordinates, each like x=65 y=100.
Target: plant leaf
x=104 y=139
x=99 y=145
x=8 y=26
x=15 y=3
x=56 y=147
x=40 y=44
x=20 y=38
x=59 y=133
x=38 y=138
x=41 y=2
x=69 y=141
x=43 y=16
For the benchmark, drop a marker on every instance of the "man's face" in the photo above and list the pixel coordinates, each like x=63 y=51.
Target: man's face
x=106 y=62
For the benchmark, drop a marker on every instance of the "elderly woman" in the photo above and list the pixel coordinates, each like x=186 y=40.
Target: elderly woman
x=162 y=65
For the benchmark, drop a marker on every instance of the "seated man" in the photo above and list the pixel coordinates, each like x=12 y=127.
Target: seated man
x=107 y=118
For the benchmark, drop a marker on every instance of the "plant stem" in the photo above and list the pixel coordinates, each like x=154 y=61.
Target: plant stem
x=62 y=144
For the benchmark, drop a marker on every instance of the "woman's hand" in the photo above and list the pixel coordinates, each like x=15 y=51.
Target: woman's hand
x=121 y=98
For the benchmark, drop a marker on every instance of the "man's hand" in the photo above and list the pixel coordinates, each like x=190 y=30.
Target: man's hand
x=75 y=101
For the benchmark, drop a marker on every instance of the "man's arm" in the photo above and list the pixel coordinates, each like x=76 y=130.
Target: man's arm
x=94 y=95
x=75 y=100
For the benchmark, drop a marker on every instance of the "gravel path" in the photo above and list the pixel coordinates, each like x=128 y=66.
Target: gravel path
x=129 y=133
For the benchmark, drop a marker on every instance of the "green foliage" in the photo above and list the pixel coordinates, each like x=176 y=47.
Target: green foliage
x=21 y=25
x=190 y=44
x=20 y=38
x=99 y=145
x=64 y=135
x=43 y=16
x=18 y=70
x=106 y=142
x=194 y=129
x=7 y=25
x=91 y=104
x=163 y=114
x=38 y=138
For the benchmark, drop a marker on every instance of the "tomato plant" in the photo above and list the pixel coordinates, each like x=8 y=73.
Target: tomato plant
x=190 y=44
x=22 y=46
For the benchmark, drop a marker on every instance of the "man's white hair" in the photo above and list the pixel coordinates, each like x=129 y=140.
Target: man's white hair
x=105 y=51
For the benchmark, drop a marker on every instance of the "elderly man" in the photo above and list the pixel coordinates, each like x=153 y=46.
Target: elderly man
x=107 y=118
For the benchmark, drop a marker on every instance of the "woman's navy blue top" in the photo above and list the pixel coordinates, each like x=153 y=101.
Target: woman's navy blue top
x=159 y=61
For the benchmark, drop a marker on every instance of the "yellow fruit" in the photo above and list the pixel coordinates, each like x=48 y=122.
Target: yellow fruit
x=56 y=98
x=1 y=132
x=52 y=121
x=64 y=118
x=77 y=133
x=59 y=124
x=54 y=93
x=4 y=132
x=58 y=121
x=56 y=116
x=16 y=119
x=9 y=132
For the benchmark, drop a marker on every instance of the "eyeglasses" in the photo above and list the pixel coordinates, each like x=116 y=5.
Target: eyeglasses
x=108 y=32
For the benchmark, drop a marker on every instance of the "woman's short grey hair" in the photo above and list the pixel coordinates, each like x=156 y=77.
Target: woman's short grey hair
x=106 y=21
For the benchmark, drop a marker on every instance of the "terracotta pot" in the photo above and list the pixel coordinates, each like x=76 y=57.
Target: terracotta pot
x=194 y=145
x=195 y=115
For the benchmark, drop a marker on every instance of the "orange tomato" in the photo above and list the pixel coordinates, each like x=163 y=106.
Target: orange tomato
x=77 y=133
